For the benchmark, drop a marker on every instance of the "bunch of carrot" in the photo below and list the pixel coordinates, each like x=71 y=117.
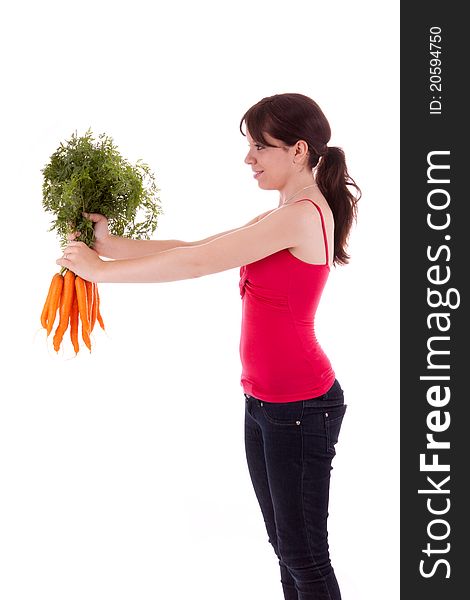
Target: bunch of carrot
x=75 y=299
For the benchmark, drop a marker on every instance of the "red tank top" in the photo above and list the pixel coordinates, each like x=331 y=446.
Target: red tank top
x=282 y=360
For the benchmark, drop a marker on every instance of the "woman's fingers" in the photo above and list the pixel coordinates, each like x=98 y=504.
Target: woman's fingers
x=95 y=217
x=100 y=225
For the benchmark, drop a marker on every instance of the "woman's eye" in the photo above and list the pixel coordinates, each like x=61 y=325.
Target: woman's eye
x=257 y=146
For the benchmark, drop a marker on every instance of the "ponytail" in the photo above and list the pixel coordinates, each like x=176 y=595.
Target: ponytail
x=332 y=178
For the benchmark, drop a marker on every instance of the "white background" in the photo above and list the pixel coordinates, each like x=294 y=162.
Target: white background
x=123 y=472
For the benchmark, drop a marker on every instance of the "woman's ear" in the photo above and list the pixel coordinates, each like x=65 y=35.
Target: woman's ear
x=301 y=152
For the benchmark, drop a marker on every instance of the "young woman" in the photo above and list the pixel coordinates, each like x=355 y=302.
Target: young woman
x=294 y=403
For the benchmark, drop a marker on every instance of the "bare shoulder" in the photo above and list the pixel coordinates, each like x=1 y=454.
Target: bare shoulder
x=306 y=208
x=298 y=214
x=295 y=210
x=265 y=214
x=311 y=247
x=282 y=220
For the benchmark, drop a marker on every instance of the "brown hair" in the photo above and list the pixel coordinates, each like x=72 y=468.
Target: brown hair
x=294 y=117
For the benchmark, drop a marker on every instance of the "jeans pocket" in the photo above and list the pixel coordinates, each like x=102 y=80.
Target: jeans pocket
x=282 y=413
x=333 y=421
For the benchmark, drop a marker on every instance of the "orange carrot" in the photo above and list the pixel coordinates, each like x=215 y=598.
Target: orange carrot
x=74 y=324
x=77 y=300
x=80 y=287
x=54 y=301
x=45 y=310
x=94 y=308
x=66 y=300
x=89 y=298
x=86 y=337
x=98 y=311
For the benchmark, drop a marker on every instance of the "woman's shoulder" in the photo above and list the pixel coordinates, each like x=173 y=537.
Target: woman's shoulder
x=312 y=204
x=304 y=209
x=312 y=247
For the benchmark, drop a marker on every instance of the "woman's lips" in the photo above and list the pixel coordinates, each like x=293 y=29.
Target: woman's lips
x=257 y=174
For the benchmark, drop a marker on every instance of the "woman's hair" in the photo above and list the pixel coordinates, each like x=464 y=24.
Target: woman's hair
x=294 y=117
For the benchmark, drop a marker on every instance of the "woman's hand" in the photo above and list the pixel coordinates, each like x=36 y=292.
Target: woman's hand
x=82 y=260
x=100 y=229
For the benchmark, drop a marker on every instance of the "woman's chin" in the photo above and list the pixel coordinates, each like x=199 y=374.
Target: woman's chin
x=266 y=186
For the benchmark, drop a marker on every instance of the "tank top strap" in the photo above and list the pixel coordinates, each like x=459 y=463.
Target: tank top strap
x=322 y=224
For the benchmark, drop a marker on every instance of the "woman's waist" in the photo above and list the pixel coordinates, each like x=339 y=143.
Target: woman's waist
x=282 y=339
x=311 y=389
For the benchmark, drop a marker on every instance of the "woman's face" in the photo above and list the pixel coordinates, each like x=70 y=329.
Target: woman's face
x=271 y=167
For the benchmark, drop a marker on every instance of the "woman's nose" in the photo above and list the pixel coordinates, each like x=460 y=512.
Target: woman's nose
x=248 y=158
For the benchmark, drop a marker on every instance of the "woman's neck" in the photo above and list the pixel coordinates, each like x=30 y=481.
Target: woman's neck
x=294 y=190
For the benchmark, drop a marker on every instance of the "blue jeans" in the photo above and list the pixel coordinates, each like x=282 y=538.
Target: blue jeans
x=289 y=448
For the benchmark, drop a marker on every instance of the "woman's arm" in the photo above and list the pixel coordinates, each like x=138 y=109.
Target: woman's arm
x=117 y=247
x=213 y=237
x=114 y=246
x=121 y=247
x=282 y=228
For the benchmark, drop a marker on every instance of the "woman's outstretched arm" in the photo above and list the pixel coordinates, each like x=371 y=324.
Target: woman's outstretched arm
x=117 y=247
x=285 y=227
